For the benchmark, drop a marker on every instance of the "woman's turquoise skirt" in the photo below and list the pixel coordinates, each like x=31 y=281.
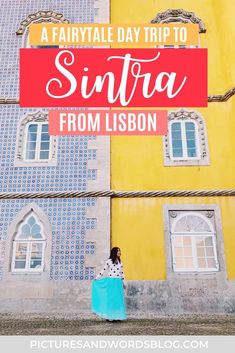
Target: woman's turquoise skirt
x=108 y=298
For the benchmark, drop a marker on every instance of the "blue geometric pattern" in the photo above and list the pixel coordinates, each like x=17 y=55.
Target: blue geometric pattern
x=71 y=172
x=92 y=174
x=12 y=13
x=90 y=248
x=66 y=216
x=91 y=223
x=69 y=224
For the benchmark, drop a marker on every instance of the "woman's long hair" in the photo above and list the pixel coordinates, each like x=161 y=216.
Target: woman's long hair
x=113 y=255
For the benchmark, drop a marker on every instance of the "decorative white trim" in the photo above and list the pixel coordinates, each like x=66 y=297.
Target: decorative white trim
x=180 y=16
x=29 y=243
x=211 y=211
x=12 y=231
x=100 y=235
x=101 y=163
x=191 y=213
x=38 y=142
x=20 y=161
x=40 y=17
x=102 y=11
x=201 y=137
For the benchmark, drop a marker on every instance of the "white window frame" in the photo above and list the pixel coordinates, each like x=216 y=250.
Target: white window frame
x=178 y=46
x=29 y=241
x=38 y=142
x=21 y=139
x=184 y=141
x=26 y=38
x=163 y=46
x=193 y=235
x=28 y=256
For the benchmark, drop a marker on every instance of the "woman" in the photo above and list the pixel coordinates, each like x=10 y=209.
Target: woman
x=108 y=292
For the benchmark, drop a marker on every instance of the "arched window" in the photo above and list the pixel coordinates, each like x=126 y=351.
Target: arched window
x=29 y=246
x=34 y=144
x=186 y=141
x=193 y=240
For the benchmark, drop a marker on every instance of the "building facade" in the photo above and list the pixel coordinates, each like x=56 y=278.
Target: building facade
x=181 y=247
x=48 y=244
x=177 y=240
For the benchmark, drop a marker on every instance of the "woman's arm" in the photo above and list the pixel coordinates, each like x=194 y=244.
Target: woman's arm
x=101 y=273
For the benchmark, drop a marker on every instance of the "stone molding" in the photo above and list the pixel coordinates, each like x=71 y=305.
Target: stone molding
x=180 y=115
x=178 y=276
x=39 y=17
x=222 y=97
x=211 y=98
x=12 y=230
x=19 y=159
x=179 y=15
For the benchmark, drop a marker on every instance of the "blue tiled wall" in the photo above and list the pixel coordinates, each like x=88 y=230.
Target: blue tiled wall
x=67 y=216
x=12 y=13
x=69 y=224
x=70 y=174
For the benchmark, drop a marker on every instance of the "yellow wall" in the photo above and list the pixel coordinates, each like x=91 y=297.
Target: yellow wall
x=137 y=228
x=137 y=162
x=218 y=16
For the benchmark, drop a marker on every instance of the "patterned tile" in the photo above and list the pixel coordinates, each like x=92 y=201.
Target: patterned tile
x=69 y=225
x=66 y=216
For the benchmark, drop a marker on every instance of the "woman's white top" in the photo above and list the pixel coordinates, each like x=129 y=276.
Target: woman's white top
x=114 y=270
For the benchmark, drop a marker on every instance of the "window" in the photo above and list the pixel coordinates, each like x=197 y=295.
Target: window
x=37 y=146
x=193 y=241
x=28 y=246
x=43 y=46
x=178 y=46
x=179 y=16
x=186 y=140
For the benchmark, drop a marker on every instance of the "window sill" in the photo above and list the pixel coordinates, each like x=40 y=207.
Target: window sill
x=25 y=273
x=51 y=163
x=185 y=162
x=189 y=275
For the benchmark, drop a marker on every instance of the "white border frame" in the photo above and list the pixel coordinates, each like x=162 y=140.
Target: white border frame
x=29 y=243
x=184 y=141
x=212 y=234
x=28 y=256
x=19 y=161
x=38 y=142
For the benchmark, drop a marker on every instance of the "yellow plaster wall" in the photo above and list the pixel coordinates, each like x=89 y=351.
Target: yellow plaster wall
x=137 y=162
x=138 y=229
x=218 y=16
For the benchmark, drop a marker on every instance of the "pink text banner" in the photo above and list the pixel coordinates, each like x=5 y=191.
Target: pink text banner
x=107 y=122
